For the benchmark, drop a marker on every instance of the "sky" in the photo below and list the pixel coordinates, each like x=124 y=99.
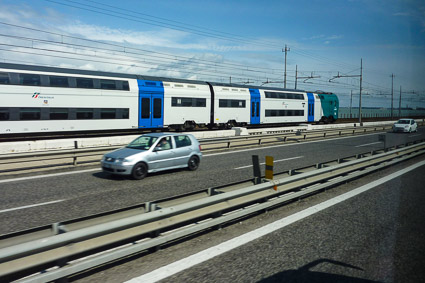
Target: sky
x=232 y=41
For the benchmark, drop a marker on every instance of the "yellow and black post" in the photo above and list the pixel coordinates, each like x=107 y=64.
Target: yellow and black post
x=269 y=167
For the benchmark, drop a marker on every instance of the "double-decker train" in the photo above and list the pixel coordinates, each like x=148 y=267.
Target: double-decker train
x=36 y=99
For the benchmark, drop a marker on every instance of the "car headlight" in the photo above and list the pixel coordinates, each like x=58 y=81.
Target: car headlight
x=122 y=160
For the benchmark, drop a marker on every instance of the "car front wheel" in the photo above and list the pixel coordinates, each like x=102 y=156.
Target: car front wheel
x=140 y=170
x=193 y=163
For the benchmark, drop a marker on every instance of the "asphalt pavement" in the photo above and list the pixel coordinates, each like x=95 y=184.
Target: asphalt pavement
x=44 y=199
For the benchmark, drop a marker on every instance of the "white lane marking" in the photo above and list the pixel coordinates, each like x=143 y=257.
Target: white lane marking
x=275 y=161
x=282 y=145
x=48 y=175
x=367 y=144
x=32 y=205
x=200 y=257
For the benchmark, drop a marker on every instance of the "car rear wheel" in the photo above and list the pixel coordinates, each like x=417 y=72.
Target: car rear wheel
x=193 y=163
x=140 y=170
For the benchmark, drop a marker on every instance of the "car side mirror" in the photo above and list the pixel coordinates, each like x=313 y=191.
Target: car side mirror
x=158 y=148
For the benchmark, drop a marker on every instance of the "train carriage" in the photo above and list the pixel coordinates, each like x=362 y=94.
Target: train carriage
x=45 y=99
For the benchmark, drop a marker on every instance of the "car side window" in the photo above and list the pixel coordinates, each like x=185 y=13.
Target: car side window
x=164 y=143
x=182 y=141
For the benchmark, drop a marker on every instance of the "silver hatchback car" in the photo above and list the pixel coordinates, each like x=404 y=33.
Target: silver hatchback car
x=152 y=153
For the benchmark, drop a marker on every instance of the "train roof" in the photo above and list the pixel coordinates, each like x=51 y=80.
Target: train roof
x=130 y=76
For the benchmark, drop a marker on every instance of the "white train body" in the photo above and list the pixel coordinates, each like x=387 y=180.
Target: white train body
x=42 y=99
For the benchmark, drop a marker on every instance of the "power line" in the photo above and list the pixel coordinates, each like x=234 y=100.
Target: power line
x=128 y=49
x=115 y=14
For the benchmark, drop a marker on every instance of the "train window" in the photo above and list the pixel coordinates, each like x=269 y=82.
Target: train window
x=4 y=114
x=58 y=113
x=125 y=113
x=231 y=103
x=4 y=79
x=146 y=108
x=29 y=79
x=253 y=109
x=107 y=113
x=258 y=109
x=283 y=95
x=157 y=108
x=59 y=81
x=107 y=84
x=188 y=102
x=184 y=102
x=30 y=114
x=85 y=113
x=125 y=85
x=200 y=102
x=281 y=113
x=85 y=83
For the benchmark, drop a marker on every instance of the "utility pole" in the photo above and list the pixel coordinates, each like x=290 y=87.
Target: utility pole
x=360 y=99
x=351 y=101
x=361 y=80
x=392 y=94
x=284 y=75
x=399 y=105
x=296 y=75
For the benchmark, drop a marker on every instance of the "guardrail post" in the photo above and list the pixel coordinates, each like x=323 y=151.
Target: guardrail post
x=58 y=228
x=75 y=158
x=358 y=156
x=269 y=167
x=228 y=144
x=324 y=134
x=150 y=206
x=211 y=191
x=319 y=165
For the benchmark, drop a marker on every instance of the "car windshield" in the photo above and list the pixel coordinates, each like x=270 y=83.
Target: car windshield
x=142 y=143
x=403 y=122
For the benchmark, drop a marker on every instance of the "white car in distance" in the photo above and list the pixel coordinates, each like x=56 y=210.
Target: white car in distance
x=405 y=126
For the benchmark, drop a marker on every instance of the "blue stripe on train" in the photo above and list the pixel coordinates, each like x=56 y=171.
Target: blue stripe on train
x=310 y=117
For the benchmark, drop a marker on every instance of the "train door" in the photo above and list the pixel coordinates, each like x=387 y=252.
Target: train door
x=310 y=117
x=151 y=111
x=255 y=106
x=151 y=104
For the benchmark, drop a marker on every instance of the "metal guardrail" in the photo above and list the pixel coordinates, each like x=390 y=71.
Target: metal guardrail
x=20 y=162
x=70 y=252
